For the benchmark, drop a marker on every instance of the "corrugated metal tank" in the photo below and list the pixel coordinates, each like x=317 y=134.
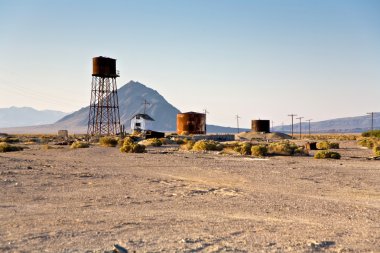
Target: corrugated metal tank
x=191 y=123
x=261 y=126
x=104 y=67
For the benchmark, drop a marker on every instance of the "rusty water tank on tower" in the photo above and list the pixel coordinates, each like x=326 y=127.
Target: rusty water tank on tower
x=261 y=126
x=191 y=123
x=104 y=67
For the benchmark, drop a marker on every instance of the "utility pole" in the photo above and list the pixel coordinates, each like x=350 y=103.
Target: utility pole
x=292 y=115
x=205 y=111
x=272 y=125
x=309 y=126
x=145 y=104
x=237 y=122
x=371 y=113
x=300 y=118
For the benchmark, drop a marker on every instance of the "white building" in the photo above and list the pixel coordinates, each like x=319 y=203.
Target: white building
x=141 y=122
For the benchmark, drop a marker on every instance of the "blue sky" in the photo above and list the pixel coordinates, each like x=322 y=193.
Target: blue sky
x=259 y=59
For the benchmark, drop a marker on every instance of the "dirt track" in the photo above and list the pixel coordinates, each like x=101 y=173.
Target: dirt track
x=64 y=200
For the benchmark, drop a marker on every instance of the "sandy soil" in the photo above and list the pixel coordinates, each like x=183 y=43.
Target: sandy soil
x=86 y=200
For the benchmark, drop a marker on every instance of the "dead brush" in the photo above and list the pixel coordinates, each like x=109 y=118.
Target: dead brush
x=6 y=147
x=286 y=148
x=108 y=141
x=327 y=154
x=243 y=148
x=324 y=145
x=259 y=150
x=129 y=146
x=79 y=144
x=207 y=145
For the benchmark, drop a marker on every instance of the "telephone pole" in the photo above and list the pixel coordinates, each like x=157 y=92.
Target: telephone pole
x=145 y=104
x=300 y=118
x=205 y=111
x=292 y=115
x=371 y=113
x=237 y=122
x=272 y=125
x=309 y=126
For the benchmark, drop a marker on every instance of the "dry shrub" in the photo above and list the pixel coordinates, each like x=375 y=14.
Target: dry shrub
x=324 y=145
x=369 y=142
x=376 y=150
x=165 y=141
x=286 y=148
x=80 y=144
x=325 y=154
x=129 y=146
x=10 y=139
x=155 y=142
x=6 y=147
x=108 y=141
x=373 y=133
x=259 y=150
x=188 y=145
x=207 y=145
x=243 y=148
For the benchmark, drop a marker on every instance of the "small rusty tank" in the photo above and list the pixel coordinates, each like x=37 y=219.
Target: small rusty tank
x=191 y=123
x=104 y=67
x=261 y=125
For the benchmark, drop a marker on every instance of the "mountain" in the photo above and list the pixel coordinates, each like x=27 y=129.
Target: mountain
x=131 y=101
x=341 y=125
x=27 y=116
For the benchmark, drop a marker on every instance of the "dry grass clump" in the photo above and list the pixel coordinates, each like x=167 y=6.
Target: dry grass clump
x=207 y=145
x=325 y=154
x=6 y=147
x=80 y=144
x=369 y=142
x=243 y=148
x=155 y=142
x=339 y=137
x=259 y=150
x=188 y=145
x=373 y=133
x=10 y=139
x=324 y=145
x=286 y=148
x=129 y=146
x=108 y=141
x=376 y=150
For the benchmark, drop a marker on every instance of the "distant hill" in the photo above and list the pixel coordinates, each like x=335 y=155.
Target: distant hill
x=341 y=125
x=131 y=101
x=27 y=116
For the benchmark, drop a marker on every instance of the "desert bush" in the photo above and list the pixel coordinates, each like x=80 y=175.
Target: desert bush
x=376 y=150
x=80 y=144
x=373 y=133
x=243 y=148
x=286 y=148
x=179 y=141
x=129 y=146
x=155 y=142
x=188 y=145
x=10 y=140
x=324 y=154
x=165 y=141
x=204 y=145
x=324 y=145
x=108 y=141
x=6 y=147
x=259 y=150
x=369 y=142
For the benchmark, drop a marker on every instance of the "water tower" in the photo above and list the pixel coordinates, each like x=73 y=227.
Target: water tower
x=104 y=117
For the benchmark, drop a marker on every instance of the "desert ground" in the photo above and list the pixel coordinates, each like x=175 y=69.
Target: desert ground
x=87 y=200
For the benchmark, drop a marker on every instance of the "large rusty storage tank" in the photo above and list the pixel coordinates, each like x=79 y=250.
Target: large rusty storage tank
x=104 y=67
x=191 y=123
x=261 y=126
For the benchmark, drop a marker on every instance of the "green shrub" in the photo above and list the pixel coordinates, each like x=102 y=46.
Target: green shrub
x=374 y=133
x=324 y=154
x=243 y=148
x=80 y=144
x=376 y=150
x=5 y=147
x=324 y=145
x=204 y=145
x=108 y=141
x=259 y=150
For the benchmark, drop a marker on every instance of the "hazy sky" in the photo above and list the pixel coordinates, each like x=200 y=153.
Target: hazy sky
x=259 y=59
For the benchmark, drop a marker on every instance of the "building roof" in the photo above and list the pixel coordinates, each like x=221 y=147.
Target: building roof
x=144 y=116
